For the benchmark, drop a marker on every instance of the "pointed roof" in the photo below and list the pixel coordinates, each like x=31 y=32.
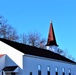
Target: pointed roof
x=51 y=36
x=30 y=50
x=10 y=68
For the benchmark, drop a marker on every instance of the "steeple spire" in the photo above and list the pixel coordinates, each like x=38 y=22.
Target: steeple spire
x=50 y=21
x=51 y=36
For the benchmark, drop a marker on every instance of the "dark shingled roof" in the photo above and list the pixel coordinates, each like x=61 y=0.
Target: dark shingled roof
x=36 y=51
x=10 y=68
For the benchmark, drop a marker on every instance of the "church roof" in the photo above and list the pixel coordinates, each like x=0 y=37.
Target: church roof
x=10 y=68
x=36 y=51
x=51 y=37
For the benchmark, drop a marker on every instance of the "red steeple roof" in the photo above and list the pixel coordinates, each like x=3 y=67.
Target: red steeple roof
x=51 y=36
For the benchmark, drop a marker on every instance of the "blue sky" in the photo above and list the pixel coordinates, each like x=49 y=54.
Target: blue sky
x=35 y=15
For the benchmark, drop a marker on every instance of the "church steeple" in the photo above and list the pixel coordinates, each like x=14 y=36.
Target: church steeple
x=51 y=37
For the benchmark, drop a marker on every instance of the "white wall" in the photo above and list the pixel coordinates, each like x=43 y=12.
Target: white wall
x=9 y=62
x=52 y=48
x=13 y=57
x=14 y=54
x=31 y=65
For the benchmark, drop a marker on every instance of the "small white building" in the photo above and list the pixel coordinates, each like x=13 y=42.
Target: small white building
x=19 y=59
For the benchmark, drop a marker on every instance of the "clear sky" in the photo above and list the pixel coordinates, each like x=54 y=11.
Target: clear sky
x=35 y=15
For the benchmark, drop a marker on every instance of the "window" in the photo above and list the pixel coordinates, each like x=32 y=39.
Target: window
x=69 y=71
x=30 y=73
x=48 y=70
x=63 y=71
x=39 y=69
x=39 y=72
x=56 y=71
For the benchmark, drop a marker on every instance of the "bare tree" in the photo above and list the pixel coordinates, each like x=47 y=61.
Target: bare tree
x=66 y=54
x=23 y=38
x=13 y=35
x=7 y=31
x=42 y=43
x=33 y=39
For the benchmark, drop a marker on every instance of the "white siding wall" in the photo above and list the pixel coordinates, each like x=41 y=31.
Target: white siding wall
x=52 y=48
x=31 y=65
x=10 y=62
x=13 y=53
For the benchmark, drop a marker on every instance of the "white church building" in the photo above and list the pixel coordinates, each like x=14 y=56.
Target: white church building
x=20 y=59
